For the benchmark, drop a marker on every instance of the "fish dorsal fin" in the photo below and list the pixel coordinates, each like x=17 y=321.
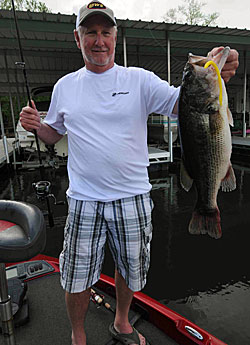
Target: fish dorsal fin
x=230 y=117
x=229 y=182
x=185 y=179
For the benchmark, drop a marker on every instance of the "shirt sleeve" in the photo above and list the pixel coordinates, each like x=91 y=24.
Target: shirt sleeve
x=160 y=96
x=55 y=116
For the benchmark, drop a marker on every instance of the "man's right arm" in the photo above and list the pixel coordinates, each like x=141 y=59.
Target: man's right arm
x=30 y=120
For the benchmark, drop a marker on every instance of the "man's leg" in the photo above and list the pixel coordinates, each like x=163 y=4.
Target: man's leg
x=84 y=239
x=77 y=306
x=124 y=298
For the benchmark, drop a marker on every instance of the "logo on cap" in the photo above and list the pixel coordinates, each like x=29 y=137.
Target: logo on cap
x=96 y=5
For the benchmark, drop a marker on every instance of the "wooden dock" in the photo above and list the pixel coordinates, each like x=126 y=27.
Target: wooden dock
x=241 y=150
x=3 y=158
x=158 y=156
x=241 y=141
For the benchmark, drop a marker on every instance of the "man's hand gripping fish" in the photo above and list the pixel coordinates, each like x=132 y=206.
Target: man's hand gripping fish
x=204 y=119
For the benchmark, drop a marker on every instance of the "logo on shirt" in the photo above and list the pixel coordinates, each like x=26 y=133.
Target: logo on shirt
x=119 y=93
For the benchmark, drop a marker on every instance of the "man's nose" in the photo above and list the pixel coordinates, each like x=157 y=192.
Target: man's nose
x=99 y=40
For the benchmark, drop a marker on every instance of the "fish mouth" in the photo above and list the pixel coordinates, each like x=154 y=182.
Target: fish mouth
x=219 y=59
x=197 y=60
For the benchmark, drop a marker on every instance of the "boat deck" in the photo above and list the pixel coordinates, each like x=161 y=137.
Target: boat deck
x=49 y=324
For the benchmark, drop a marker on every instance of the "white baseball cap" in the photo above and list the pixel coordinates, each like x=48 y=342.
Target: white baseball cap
x=94 y=7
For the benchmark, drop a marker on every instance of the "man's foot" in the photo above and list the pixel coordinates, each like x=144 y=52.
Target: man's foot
x=132 y=338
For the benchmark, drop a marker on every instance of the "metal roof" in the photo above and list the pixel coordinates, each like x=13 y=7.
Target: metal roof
x=50 y=51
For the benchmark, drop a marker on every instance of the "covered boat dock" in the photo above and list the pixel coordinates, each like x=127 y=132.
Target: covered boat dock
x=50 y=52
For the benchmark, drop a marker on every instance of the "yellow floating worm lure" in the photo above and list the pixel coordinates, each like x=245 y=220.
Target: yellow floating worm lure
x=219 y=77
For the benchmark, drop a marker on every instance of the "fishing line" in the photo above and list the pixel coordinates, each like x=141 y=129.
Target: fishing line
x=158 y=43
x=22 y=65
x=164 y=48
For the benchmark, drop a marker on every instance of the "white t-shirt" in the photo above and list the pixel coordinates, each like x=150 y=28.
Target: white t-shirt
x=105 y=116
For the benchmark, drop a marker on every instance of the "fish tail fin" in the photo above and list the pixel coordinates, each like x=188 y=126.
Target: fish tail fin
x=206 y=223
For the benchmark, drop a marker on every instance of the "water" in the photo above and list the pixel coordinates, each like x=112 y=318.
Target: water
x=205 y=280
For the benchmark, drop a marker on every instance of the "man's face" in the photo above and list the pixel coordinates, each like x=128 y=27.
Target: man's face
x=97 y=40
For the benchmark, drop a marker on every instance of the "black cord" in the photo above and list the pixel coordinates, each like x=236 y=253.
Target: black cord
x=22 y=64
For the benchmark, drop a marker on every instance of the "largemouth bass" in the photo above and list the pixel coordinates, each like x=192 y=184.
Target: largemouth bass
x=204 y=119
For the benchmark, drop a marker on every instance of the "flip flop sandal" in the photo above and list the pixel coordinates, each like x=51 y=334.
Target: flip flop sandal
x=126 y=338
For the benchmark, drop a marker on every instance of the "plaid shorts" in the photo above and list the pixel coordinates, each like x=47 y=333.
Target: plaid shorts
x=125 y=223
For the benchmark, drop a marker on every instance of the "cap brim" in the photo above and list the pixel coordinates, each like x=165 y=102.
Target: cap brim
x=111 y=20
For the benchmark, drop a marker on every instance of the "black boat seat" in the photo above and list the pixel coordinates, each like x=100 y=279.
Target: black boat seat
x=22 y=231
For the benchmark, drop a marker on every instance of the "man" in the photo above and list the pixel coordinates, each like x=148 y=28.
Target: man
x=104 y=108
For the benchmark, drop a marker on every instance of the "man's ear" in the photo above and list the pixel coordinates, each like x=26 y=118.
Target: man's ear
x=77 y=39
